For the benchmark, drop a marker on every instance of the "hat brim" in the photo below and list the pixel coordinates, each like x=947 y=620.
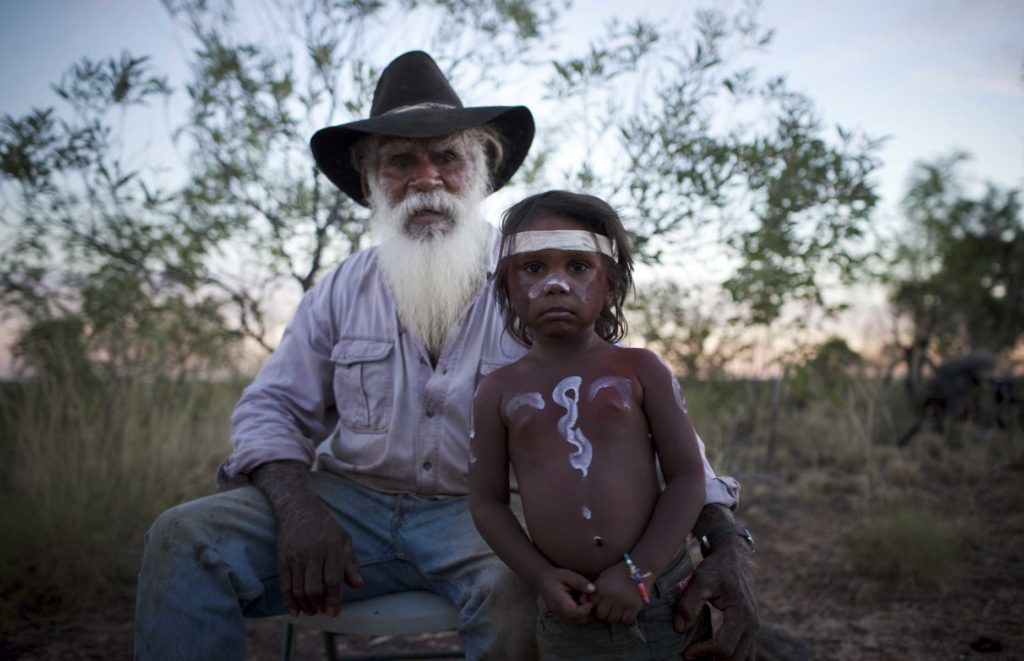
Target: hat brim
x=332 y=146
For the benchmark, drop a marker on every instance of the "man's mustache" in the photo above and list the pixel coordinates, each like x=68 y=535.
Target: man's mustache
x=443 y=202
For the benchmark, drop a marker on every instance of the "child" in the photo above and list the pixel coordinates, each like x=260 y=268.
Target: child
x=581 y=421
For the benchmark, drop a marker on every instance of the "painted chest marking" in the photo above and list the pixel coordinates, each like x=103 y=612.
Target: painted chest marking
x=620 y=384
x=580 y=459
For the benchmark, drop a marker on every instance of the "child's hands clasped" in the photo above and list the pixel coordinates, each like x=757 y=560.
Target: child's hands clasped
x=559 y=587
x=618 y=600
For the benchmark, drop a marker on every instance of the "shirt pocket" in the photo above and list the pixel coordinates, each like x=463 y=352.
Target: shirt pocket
x=363 y=383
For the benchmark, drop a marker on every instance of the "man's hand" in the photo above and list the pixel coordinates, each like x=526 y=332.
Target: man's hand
x=314 y=553
x=558 y=586
x=725 y=580
x=314 y=556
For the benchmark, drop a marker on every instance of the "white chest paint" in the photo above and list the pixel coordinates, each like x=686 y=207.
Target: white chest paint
x=580 y=459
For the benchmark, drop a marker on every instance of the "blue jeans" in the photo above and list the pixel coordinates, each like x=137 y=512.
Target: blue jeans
x=212 y=562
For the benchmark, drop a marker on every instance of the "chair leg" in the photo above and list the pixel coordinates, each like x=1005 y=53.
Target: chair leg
x=332 y=650
x=288 y=642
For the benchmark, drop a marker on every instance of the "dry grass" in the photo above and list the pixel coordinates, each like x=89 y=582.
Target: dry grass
x=88 y=466
x=903 y=546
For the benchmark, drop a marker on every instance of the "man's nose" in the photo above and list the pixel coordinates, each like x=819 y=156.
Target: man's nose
x=426 y=176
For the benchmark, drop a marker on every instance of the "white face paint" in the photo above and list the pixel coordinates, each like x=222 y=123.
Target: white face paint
x=580 y=459
x=676 y=389
x=621 y=385
x=587 y=513
x=538 y=289
x=532 y=399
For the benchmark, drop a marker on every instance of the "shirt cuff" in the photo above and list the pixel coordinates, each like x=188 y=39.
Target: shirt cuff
x=722 y=490
x=234 y=471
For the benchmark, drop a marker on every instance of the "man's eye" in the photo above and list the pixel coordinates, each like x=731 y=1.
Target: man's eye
x=449 y=156
x=399 y=161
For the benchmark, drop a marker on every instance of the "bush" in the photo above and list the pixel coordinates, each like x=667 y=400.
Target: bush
x=903 y=546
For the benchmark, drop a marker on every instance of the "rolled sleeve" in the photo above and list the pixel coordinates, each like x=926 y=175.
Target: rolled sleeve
x=234 y=471
x=289 y=407
x=720 y=490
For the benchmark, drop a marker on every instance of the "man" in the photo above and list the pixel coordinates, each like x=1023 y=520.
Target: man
x=382 y=357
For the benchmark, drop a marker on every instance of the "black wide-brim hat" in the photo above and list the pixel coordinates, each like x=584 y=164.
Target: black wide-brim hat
x=413 y=99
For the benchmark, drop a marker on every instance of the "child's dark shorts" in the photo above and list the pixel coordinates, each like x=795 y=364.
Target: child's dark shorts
x=558 y=639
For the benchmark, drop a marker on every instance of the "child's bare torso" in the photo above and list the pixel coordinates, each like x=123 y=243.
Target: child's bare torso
x=580 y=445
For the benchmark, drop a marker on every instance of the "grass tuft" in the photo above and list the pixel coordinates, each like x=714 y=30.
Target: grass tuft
x=903 y=546
x=87 y=469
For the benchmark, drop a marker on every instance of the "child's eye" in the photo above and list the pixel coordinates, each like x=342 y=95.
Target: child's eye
x=532 y=267
x=578 y=267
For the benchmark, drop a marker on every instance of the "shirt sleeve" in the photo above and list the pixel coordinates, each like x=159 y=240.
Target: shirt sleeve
x=289 y=407
x=721 y=490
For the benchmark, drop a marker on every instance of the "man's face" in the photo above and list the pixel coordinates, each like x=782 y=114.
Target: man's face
x=419 y=176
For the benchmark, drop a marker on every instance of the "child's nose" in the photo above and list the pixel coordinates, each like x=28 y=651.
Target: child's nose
x=556 y=286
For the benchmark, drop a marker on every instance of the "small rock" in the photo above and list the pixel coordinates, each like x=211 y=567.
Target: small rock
x=868 y=594
x=986 y=645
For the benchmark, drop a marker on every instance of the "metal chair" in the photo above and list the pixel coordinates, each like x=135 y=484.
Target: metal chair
x=398 y=614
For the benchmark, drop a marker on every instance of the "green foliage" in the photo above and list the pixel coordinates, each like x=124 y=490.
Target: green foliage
x=904 y=545
x=826 y=373
x=685 y=329
x=160 y=278
x=958 y=269
x=90 y=243
x=703 y=151
x=255 y=102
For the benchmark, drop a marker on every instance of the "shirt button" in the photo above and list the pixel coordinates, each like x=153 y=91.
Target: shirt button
x=426 y=465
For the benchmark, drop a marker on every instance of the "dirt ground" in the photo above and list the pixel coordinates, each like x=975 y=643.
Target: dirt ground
x=814 y=604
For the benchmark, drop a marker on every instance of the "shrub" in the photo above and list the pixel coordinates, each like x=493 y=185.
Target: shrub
x=903 y=546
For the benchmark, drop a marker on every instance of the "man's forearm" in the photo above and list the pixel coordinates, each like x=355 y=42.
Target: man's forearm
x=287 y=486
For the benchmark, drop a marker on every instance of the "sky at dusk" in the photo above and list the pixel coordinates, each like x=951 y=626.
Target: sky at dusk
x=933 y=76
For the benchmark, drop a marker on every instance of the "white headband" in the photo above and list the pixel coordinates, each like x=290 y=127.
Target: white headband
x=561 y=240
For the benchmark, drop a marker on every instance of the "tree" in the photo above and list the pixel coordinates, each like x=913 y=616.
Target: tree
x=957 y=277
x=698 y=152
x=704 y=153
x=254 y=104
x=90 y=244
x=155 y=277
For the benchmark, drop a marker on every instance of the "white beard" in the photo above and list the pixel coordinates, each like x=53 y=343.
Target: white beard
x=433 y=274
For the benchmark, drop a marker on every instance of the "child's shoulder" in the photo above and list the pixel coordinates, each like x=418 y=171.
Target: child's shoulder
x=644 y=363
x=638 y=357
x=495 y=382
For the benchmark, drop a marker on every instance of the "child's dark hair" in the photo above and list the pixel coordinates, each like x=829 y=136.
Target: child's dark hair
x=599 y=218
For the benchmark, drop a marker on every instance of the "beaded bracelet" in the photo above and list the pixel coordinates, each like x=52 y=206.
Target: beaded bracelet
x=637 y=577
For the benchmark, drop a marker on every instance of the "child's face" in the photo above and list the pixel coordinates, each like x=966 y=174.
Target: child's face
x=557 y=293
